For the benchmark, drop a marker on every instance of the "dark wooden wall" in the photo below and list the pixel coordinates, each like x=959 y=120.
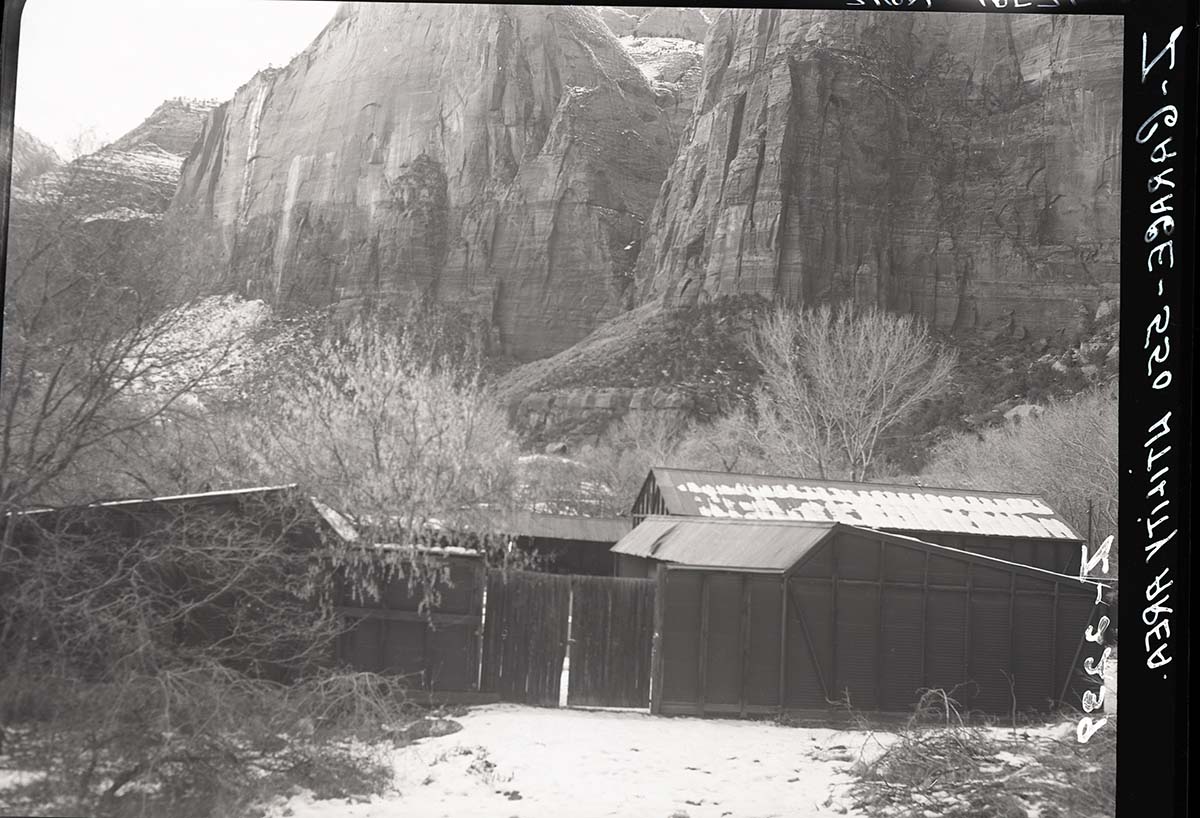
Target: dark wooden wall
x=1060 y=556
x=433 y=650
x=877 y=622
x=582 y=557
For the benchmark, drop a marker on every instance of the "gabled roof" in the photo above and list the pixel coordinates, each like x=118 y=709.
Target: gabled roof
x=775 y=546
x=771 y=545
x=885 y=507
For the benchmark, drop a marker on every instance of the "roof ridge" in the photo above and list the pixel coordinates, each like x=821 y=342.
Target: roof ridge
x=742 y=520
x=820 y=481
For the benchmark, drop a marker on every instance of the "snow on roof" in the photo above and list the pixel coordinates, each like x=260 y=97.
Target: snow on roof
x=871 y=505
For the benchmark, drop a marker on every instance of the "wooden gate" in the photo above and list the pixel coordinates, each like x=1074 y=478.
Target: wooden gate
x=525 y=635
x=612 y=628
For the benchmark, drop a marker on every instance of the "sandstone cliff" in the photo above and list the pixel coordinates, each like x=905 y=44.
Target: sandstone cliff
x=130 y=179
x=658 y=21
x=31 y=157
x=503 y=158
x=964 y=167
x=674 y=67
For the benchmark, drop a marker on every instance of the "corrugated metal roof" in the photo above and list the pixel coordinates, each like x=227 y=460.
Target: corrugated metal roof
x=872 y=505
x=565 y=527
x=556 y=526
x=773 y=545
x=735 y=544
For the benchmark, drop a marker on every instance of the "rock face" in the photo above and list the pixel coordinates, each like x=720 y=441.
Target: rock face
x=963 y=167
x=500 y=157
x=674 y=67
x=131 y=179
x=658 y=21
x=31 y=157
x=667 y=21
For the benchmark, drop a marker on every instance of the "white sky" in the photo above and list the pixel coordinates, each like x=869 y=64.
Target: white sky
x=100 y=68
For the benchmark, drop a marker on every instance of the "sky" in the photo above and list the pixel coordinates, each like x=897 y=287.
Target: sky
x=89 y=71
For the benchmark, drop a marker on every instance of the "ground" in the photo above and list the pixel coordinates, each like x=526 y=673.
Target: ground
x=511 y=761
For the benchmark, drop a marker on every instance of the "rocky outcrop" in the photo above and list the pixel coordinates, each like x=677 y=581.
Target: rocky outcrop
x=585 y=414
x=668 y=21
x=619 y=21
x=31 y=157
x=131 y=179
x=963 y=167
x=674 y=67
x=503 y=158
x=658 y=21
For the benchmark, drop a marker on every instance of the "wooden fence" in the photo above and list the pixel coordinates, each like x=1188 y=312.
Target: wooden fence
x=519 y=629
x=525 y=635
x=612 y=628
x=434 y=650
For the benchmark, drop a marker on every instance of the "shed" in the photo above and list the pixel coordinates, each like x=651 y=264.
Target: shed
x=1020 y=528
x=104 y=538
x=769 y=615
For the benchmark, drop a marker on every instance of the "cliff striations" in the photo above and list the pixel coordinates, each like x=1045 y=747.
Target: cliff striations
x=130 y=179
x=31 y=157
x=503 y=158
x=964 y=167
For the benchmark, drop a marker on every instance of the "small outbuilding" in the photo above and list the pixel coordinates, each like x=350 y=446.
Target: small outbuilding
x=761 y=616
x=1020 y=528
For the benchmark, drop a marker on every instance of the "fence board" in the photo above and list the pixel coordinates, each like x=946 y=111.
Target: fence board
x=525 y=635
x=435 y=650
x=612 y=631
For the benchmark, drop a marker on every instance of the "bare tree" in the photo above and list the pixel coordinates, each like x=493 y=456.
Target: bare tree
x=395 y=438
x=621 y=458
x=730 y=443
x=834 y=381
x=91 y=352
x=1067 y=454
x=182 y=648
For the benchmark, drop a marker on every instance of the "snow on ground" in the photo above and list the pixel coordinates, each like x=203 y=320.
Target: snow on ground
x=511 y=761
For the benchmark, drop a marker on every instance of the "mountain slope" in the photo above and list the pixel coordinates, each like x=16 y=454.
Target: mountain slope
x=31 y=157
x=132 y=178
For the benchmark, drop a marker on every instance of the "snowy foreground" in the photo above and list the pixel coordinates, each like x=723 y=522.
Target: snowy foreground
x=513 y=761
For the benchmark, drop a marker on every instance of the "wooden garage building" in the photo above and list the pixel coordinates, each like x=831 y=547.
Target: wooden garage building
x=762 y=616
x=1019 y=528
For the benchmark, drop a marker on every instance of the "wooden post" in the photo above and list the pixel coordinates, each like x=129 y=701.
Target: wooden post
x=783 y=620
x=833 y=623
x=744 y=640
x=702 y=664
x=967 y=629
x=925 y=622
x=656 y=658
x=1054 y=645
x=1012 y=635
x=879 y=654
